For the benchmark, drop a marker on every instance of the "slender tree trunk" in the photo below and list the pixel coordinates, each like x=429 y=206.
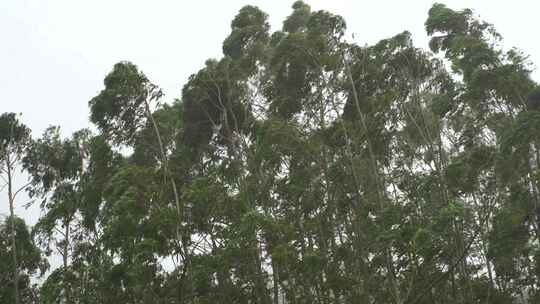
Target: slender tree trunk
x=166 y=168
x=163 y=156
x=13 y=231
x=67 y=291
x=183 y=247
x=379 y=191
x=261 y=290
x=275 y=279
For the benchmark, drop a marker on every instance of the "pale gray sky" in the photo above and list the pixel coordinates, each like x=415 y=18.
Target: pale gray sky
x=55 y=54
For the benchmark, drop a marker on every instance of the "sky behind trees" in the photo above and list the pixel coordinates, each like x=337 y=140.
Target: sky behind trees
x=56 y=53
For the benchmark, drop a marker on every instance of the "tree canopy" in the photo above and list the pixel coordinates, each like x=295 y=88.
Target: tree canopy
x=300 y=167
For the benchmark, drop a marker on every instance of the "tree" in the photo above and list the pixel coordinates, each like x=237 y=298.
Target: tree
x=301 y=167
x=14 y=138
x=57 y=168
x=29 y=262
x=120 y=110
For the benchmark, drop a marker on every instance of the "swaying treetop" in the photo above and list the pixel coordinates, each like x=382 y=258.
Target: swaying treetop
x=119 y=110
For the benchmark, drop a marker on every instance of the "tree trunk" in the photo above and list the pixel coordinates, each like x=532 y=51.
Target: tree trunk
x=67 y=292
x=13 y=232
x=275 y=279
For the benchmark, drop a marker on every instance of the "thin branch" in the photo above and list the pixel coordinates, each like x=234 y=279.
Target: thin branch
x=21 y=188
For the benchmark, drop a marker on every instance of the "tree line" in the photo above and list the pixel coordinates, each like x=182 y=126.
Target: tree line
x=298 y=168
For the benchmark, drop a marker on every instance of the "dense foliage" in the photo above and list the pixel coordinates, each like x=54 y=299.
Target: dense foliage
x=298 y=168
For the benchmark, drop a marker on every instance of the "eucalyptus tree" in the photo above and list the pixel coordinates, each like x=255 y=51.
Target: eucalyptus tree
x=219 y=104
x=29 y=262
x=393 y=131
x=301 y=167
x=498 y=160
x=14 y=139
x=57 y=168
x=123 y=108
x=123 y=113
x=301 y=88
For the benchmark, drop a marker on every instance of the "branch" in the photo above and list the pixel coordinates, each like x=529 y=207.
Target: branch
x=21 y=188
x=28 y=203
x=59 y=231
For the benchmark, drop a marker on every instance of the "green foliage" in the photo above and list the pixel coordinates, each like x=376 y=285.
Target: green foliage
x=301 y=168
x=119 y=109
x=13 y=134
x=30 y=262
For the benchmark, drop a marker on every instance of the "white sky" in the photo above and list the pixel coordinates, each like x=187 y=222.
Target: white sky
x=54 y=54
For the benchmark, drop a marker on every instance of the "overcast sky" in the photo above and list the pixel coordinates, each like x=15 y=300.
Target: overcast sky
x=54 y=54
